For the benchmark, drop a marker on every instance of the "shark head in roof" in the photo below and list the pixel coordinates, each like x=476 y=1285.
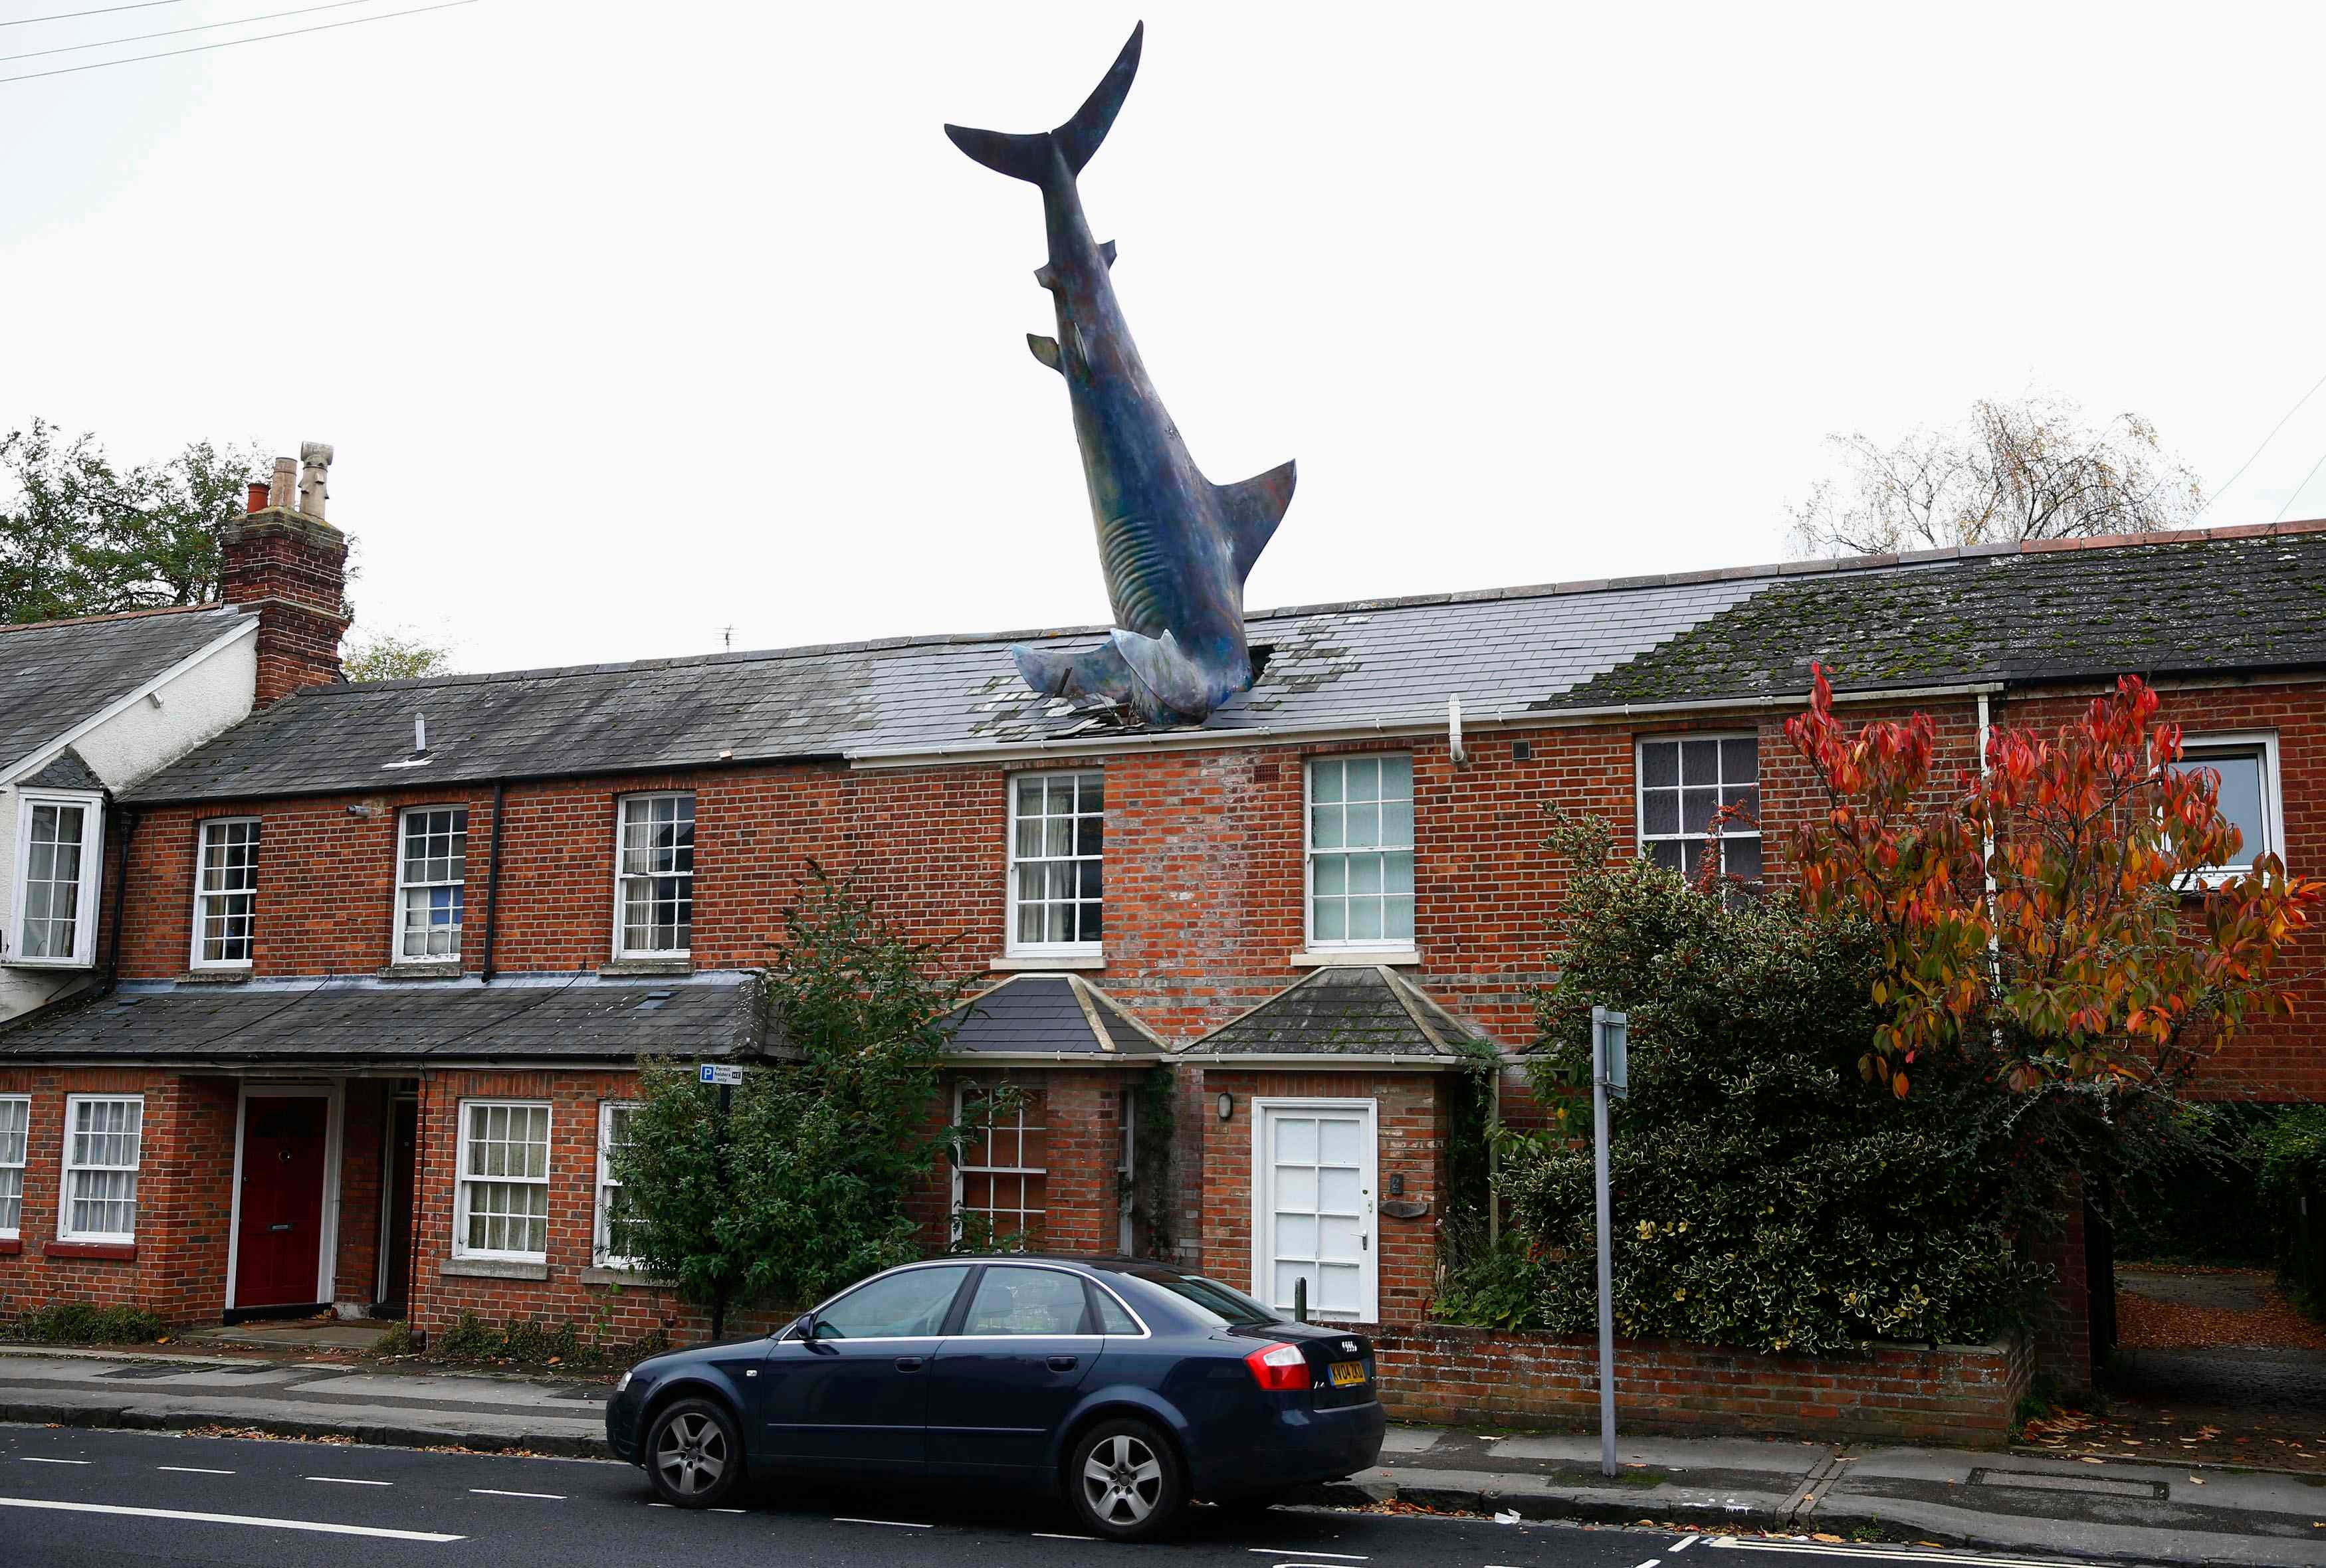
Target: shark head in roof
x=1176 y=548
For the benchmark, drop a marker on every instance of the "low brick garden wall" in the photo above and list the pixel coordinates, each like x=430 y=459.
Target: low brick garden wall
x=1963 y=1394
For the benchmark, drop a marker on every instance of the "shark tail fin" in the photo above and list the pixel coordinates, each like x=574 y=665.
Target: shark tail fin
x=1028 y=157
x=1253 y=507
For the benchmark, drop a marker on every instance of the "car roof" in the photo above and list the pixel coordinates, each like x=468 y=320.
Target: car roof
x=1102 y=1263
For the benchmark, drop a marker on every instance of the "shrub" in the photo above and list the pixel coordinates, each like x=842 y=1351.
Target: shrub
x=529 y=1342
x=2292 y=1184
x=1764 y=1194
x=1497 y=1287
x=82 y=1322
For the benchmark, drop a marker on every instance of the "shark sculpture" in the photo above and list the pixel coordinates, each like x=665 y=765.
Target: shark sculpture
x=1176 y=548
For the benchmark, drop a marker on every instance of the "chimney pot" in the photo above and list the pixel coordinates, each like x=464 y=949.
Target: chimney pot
x=255 y=501
x=315 y=475
x=284 y=484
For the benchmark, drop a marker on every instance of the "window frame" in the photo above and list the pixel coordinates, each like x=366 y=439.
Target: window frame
x=91 y=805
x=1642 y=838
x=1010 y=946
x=2272 y=804
x=397 y=927
x=68 y=1170
x=622 y=952
x=462 y=1180
x=601 y=1253
x=1311 y=940
x=962 y=1092
x=202 y=830
x=21 y=1165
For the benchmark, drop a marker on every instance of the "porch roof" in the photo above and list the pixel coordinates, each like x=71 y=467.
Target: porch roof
x=351 y=1023
x=1050 y=1018
x=1365 y=1012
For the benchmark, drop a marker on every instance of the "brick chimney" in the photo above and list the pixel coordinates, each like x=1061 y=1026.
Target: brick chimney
x=286 y=563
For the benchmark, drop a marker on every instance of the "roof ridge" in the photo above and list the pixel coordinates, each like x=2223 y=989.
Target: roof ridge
x=170 y=609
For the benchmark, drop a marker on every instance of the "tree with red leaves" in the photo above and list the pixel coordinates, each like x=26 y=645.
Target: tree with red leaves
x=2055 y=917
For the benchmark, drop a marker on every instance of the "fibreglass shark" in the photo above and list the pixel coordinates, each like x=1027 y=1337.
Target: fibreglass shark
x=1176 y=548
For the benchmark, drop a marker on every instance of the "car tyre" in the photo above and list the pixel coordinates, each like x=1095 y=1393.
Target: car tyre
x=1124 y=1480
x=695 y=1454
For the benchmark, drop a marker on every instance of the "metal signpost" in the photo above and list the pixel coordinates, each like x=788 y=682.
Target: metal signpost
x=1610 y=1040
x=726 y=1076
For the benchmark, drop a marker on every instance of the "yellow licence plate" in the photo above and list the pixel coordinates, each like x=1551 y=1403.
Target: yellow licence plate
x=1346 y=1373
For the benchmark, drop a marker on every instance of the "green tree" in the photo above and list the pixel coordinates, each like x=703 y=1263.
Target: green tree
x=82 y=535
x=805 y=1187
x=391 y=655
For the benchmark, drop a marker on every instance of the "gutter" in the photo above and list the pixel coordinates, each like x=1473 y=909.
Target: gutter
x=1322 y=1061
x=493 y=882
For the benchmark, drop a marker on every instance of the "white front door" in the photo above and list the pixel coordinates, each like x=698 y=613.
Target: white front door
x=1314 y=1174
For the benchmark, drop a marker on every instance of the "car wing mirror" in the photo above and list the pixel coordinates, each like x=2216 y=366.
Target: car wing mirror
x=808 y=1328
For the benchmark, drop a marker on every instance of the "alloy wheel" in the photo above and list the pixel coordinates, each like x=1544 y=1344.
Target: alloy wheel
x=1122 y=1481
x=693 y=1454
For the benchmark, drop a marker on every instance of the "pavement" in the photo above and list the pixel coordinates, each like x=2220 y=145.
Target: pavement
x=2021 y=1501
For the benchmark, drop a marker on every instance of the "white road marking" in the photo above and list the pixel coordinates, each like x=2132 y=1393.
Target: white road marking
x=1045 y=1536
x=497 y=1492
x=192 y=1469
x=341 y=1481
x=892 y=1524
x=1650 y=1562
x=28 y=1459
x=1683 y=1544
x=724 y=1510
x=316 y=1525
x=1881 y=1554
x=1287 y=1551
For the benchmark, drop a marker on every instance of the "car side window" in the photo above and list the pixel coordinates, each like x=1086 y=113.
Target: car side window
x=1028 y=1301
x=1111 y=1318
x=907 y=1305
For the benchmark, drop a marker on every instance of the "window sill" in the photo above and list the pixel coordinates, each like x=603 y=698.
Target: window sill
x=233 y=977
x=491 y=1268
x=10 y=1246
x=1042 y=963
x=448 y=969
x=645 y=969
x=1320 y=958
x=623 y=1276
x=123 y=1251
x=49 y=965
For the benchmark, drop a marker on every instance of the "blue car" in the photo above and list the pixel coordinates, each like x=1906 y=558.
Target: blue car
x=1128 y=1386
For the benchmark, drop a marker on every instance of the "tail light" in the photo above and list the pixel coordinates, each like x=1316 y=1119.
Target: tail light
x=1279 y=1367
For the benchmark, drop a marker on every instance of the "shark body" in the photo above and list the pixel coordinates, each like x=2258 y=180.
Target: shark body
x=1174 y=547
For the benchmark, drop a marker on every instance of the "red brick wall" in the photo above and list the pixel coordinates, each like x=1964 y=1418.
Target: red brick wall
x=292 y=569
x=1960 y=1395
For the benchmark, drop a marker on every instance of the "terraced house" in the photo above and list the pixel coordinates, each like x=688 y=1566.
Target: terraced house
x=388 y=953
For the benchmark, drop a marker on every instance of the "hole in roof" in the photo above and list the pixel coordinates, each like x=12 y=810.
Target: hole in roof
x=1261 y=652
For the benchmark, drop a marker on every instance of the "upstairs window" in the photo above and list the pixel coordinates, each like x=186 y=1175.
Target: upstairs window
x=2248 y=797
x=432 y=872
x=1361 y=851
x=1058 y=830
x=16 y=1135
x=653 y=896
x=103 y=1135
x=1685 y=782
x=57 y=864
x=225 y=894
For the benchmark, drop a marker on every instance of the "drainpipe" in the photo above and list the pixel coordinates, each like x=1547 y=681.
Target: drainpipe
x=120 y=902
x=493 y=881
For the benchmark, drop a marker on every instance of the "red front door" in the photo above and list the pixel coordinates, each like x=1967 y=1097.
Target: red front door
x=279 y=1247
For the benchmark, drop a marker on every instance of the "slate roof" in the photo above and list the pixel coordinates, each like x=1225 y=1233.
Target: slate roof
x=53 y=674
x=2246 y=598
x=1359 y=1011
x=515 y=1019
x=64 y=771
x=1051 y=1016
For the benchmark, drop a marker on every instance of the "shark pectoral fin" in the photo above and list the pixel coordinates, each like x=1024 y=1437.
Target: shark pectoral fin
x=1097 y=672
x=1046 y=350
x=1046 y=276
x=1106 y=252
x=1170 y=687
x=1253 y=508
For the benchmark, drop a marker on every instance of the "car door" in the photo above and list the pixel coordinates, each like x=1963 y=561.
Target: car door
x=856 y=1395
x=1005 y=1380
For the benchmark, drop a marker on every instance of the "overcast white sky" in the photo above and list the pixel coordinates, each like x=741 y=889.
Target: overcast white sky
x=632 y=322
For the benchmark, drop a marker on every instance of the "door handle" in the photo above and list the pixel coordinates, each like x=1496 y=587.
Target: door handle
x=909 y=1363
x=1062 y=1363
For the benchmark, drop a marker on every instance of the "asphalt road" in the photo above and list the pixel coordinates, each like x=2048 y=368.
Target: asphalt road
x=70 y=1497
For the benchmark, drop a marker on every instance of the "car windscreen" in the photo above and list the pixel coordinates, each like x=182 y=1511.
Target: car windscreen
x=1211 y=1301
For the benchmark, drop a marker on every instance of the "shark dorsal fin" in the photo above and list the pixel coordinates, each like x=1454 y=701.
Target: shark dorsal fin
x=1106 y=252
x=1046 y=350
x=1253 y=508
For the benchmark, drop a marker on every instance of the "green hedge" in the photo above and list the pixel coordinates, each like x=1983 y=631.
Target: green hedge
x=2292 y=1189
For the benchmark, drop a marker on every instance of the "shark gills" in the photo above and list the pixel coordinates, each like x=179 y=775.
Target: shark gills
x=1174 y=548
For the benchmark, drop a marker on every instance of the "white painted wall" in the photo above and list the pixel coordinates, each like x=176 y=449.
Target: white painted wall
x=195 y=705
